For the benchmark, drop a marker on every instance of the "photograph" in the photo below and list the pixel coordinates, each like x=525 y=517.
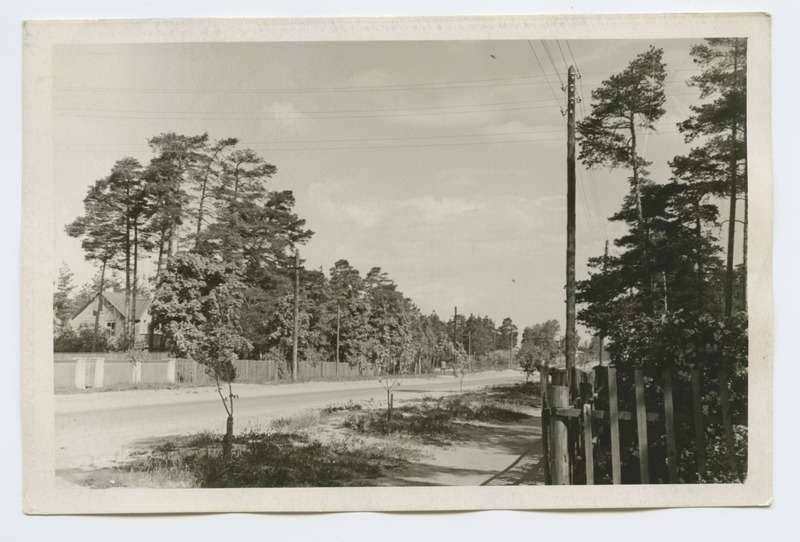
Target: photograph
x=497 y=262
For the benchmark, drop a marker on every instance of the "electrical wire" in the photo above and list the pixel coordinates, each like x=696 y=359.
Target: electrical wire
x=544 y=73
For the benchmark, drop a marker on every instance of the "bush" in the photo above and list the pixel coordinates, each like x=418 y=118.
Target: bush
x=67 y=339
x=679 y=341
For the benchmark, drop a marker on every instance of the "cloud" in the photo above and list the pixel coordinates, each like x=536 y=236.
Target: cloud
x=437 y=209
x=282 y=108
x=329 y=200
x=338 y=201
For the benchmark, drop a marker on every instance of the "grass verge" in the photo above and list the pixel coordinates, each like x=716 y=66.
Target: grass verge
x=437 y=421
x=347 y=444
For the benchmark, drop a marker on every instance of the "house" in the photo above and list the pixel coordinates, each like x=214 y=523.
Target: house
x=112 y=310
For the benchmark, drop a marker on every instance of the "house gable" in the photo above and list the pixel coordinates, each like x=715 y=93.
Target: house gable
x=112 y=311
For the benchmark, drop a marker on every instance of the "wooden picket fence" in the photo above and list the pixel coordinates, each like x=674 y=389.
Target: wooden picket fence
x=572 y=409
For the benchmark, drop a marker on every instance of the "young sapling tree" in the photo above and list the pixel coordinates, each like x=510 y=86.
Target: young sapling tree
x=198 y=304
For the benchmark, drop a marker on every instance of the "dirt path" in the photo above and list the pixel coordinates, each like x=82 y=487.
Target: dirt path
x=487 y=454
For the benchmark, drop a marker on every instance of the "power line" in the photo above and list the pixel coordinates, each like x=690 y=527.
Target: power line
x=168 y=91
x=324 y=111
x=381 y=146
x=594 y=227
x=544 y=73
x=563 y=58
x=373 y=146
x=582 y=94
x=432 y=85
x=267 y=117
x=569 y=48
x=441 y=136
x=590 y=174
x=377 y=88
x=549 y=56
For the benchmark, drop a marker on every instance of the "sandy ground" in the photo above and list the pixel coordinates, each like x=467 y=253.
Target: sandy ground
x=100 y=429
x=490 y=454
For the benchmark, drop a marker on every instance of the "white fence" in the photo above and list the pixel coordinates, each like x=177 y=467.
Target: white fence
x=82 y=371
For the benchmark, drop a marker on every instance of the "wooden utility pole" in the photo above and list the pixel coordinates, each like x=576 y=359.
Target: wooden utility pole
x=469 y=350
x=455 y=324
x=570 y=338
x=455 y=340
x=338 y=317
x=296 y=311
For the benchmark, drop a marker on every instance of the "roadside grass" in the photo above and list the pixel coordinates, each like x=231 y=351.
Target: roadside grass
x=521 y=394
x=349 y=406
x=299 y=422
x=296 y=460
x=272 y=459
x=344 y=444
x=68 y=390
x=436 y=421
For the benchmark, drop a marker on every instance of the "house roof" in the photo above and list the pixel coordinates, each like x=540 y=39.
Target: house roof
x=117 y=300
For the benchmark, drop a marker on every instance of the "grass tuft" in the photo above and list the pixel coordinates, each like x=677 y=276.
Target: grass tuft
x=349 y=406
x=432 y=420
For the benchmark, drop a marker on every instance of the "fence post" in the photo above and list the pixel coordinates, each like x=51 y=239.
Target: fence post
x=544 y=383
x=641 y=428
x=558 y=397
x=669 y=420
x=80 y=373
x=99 y=372
x=588 y=451
x=613 y=418
x=137 y=372
x=170 y=370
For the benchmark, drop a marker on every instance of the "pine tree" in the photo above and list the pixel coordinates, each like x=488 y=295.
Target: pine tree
x=349 y=293
x=722 y=124
x=624 y=104
x=101 y=238
x=62 y=302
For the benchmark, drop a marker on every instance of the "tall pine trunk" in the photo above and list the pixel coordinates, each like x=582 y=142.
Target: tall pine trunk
x=643 y=229
x=698 y=232
x=126 y=319
x=202 y=199
x=746 y=223
x=729 y=269
x=99 y=306
x=135 y=282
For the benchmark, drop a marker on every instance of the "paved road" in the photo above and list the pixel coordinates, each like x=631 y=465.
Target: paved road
x=94 y=430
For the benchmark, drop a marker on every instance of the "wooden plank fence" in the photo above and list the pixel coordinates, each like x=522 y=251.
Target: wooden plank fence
x=571 y=431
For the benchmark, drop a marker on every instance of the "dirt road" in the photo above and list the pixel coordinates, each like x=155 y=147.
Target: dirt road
x=95 y=430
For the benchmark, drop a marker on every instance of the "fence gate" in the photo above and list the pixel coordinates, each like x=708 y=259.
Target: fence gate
x=582 y=416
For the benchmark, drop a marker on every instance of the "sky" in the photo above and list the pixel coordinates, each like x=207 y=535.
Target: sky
x=442 y=162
